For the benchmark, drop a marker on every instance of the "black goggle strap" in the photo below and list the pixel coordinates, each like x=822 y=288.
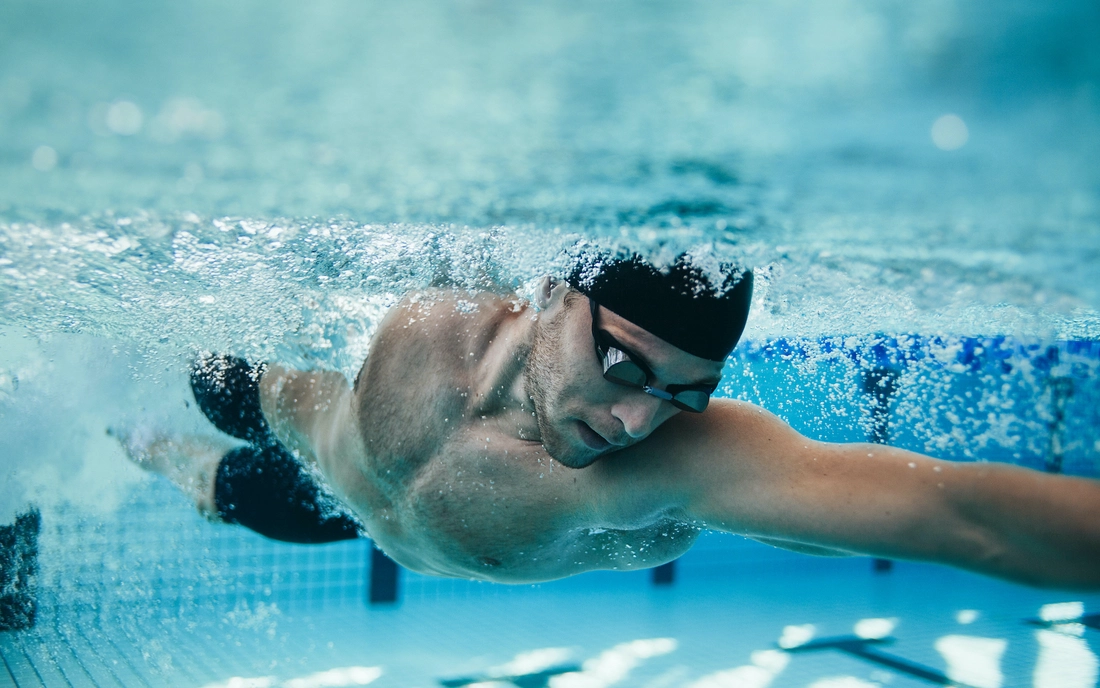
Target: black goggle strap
x=659 y=393
x=612 y=356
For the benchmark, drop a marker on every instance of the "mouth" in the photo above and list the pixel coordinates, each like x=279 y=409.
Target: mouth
x=591 y=438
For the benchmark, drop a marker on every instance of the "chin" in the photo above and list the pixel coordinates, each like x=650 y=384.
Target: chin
x=577 y=459
x=568 y=454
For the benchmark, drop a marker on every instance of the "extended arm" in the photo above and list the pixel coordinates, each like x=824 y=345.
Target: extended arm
x=742 y=470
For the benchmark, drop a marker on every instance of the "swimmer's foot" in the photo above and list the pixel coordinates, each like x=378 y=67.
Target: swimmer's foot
x=189 y=461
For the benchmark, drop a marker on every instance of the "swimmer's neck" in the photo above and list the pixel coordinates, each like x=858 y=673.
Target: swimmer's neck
x=498 y=385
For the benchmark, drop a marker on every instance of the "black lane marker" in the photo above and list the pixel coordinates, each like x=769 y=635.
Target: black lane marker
x=860 y=647
x=538 y=679
x=1090 y=620
x=384 y=576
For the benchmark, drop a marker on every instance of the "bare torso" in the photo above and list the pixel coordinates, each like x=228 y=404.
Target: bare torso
x=437 y=450
x=443 y=466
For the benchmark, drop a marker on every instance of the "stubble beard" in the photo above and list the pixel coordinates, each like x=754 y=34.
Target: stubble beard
x=541 y=384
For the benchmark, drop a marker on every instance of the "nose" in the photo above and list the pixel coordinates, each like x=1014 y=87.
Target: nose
x=638 y=414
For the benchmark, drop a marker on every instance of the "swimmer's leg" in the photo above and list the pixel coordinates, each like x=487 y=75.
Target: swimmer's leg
x=310 y=412
x=267 y=490
x=227 y=390
x=307 y=411
x=290 y=417
x=263 y=488
x=190 y=462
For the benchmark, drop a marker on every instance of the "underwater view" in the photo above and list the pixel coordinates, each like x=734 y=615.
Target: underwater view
x=914 y=187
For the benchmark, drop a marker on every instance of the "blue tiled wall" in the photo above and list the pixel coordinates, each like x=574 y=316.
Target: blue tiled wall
x=962 y=398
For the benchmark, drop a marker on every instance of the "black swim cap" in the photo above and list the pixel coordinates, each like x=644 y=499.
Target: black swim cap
x=679 y=303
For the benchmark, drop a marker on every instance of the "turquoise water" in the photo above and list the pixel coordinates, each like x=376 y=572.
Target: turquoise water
x=292 y=137
x=915 y=185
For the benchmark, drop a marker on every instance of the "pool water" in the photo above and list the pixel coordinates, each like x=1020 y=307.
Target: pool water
x=915 y=186
x=217 y=606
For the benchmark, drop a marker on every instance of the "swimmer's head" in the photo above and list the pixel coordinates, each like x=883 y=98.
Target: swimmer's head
x=679 y=303
x=675 y=323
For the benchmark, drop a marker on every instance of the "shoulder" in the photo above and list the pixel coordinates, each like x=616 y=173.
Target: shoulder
x=728 y=429
x=443 y=320
x=438 y=335
x=415 y=385
x=731 y=447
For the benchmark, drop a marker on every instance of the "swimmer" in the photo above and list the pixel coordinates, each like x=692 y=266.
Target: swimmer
x=494 y=438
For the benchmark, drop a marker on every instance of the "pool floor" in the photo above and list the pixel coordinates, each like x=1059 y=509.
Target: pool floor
x=703 y=631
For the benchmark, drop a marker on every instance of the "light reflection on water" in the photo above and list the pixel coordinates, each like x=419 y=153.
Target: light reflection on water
x=821 y=147
x=1065 y=661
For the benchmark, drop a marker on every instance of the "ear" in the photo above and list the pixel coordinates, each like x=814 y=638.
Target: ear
x=545 y=292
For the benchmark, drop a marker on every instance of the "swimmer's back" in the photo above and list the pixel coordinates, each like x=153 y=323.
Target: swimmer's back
x=417 y=385
x=454 y=491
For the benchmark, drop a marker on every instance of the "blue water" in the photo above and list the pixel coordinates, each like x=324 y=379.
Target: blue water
x=797 y=137
x=267 y=177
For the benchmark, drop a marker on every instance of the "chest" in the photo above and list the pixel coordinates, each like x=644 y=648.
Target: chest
x=509 y=513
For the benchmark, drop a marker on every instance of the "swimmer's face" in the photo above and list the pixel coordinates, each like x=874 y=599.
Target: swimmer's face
x=581 y=415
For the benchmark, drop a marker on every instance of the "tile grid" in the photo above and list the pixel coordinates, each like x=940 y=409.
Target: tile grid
x=155 y=553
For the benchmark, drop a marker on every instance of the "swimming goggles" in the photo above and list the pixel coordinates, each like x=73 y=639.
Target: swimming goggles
x=621 y=369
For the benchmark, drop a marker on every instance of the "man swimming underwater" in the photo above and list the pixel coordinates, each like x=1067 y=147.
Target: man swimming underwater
x=489 y=437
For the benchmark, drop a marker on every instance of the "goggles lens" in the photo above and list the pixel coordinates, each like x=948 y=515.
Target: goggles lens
x=620 y=369
x=694 y=400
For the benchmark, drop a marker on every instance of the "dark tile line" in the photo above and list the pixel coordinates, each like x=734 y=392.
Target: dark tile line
x=236 y=662
x=47 y=668
x=67 y=663
x=89 y=659
x=22 y=672
x=122 y=655
x=182 y=651
x=218 y=660
x=7 y=669
x=150 y=674
x=190 y=661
